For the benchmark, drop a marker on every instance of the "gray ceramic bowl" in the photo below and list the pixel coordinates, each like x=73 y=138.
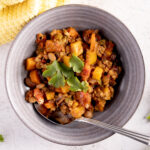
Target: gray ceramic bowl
x=129 y=93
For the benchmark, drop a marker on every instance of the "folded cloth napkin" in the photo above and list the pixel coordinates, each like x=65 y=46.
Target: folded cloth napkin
x=14 y=14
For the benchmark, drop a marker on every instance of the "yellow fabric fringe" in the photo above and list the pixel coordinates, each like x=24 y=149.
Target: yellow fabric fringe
x=14 y=16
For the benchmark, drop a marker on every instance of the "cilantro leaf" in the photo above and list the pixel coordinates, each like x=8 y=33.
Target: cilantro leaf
x=1 y=138
x=74 y=84
x=84 y=86
x=57 y=80
x=148 y=117
x=76 y=63
x=59 y=71
x=51 y=69
x=67 y=72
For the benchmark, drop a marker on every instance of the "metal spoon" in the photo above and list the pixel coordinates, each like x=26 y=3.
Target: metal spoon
x=131 y=134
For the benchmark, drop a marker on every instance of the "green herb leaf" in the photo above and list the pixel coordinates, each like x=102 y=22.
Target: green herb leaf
x=148 y=117
x=76 y=63
x=67 y=72
x=51 y=69
x=58 y=72
x=84 y=86
x=76 y=85
x=57 y=80
x=1 y=138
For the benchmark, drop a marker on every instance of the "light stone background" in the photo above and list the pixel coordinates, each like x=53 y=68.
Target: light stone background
x=135 y=14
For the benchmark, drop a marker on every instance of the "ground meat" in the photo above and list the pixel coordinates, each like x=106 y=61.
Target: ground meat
x=100 y=69
x=84 y=99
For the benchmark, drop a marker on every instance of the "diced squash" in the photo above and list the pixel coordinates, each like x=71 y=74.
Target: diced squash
x=30 y=63
x=76 y=48
x=64 y=89
x=50 y=105
x=50 y=95
x=35 y=77
x=97 y=73
x=93 y=42
x=77 y=112
x=66 y=60
x=91 y=57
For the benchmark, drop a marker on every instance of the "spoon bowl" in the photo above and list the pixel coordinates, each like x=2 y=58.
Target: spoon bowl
x=57 y=118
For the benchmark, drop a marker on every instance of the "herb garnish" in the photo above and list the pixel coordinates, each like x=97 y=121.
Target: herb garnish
x=1 y=138
x=148 y=117
x=76 y=63
x=60 y=73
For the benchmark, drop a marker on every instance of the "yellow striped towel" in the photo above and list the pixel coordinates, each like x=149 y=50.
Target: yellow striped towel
x=14 y=16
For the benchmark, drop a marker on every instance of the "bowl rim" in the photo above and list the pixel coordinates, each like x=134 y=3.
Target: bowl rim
x=37 y=17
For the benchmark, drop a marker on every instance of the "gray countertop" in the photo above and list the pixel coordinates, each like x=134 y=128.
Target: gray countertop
x=136 y=16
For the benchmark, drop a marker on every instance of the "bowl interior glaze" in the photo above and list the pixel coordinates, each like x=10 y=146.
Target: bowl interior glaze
x=129 y=92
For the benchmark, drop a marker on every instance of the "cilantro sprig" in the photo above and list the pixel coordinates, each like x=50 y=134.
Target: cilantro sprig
x=54 y=71
x=148 y=117
x=57 y=80
x=76 y=85
x=60 y=74
x=76 y=63
x=1 y=138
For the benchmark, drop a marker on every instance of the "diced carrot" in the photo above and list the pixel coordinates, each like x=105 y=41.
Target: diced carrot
x=93 y=42
x=85 y=74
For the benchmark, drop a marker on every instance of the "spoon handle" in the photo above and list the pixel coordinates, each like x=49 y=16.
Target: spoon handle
x=134 y=135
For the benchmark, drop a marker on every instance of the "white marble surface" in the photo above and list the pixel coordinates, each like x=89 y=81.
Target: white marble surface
x=136 y=16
